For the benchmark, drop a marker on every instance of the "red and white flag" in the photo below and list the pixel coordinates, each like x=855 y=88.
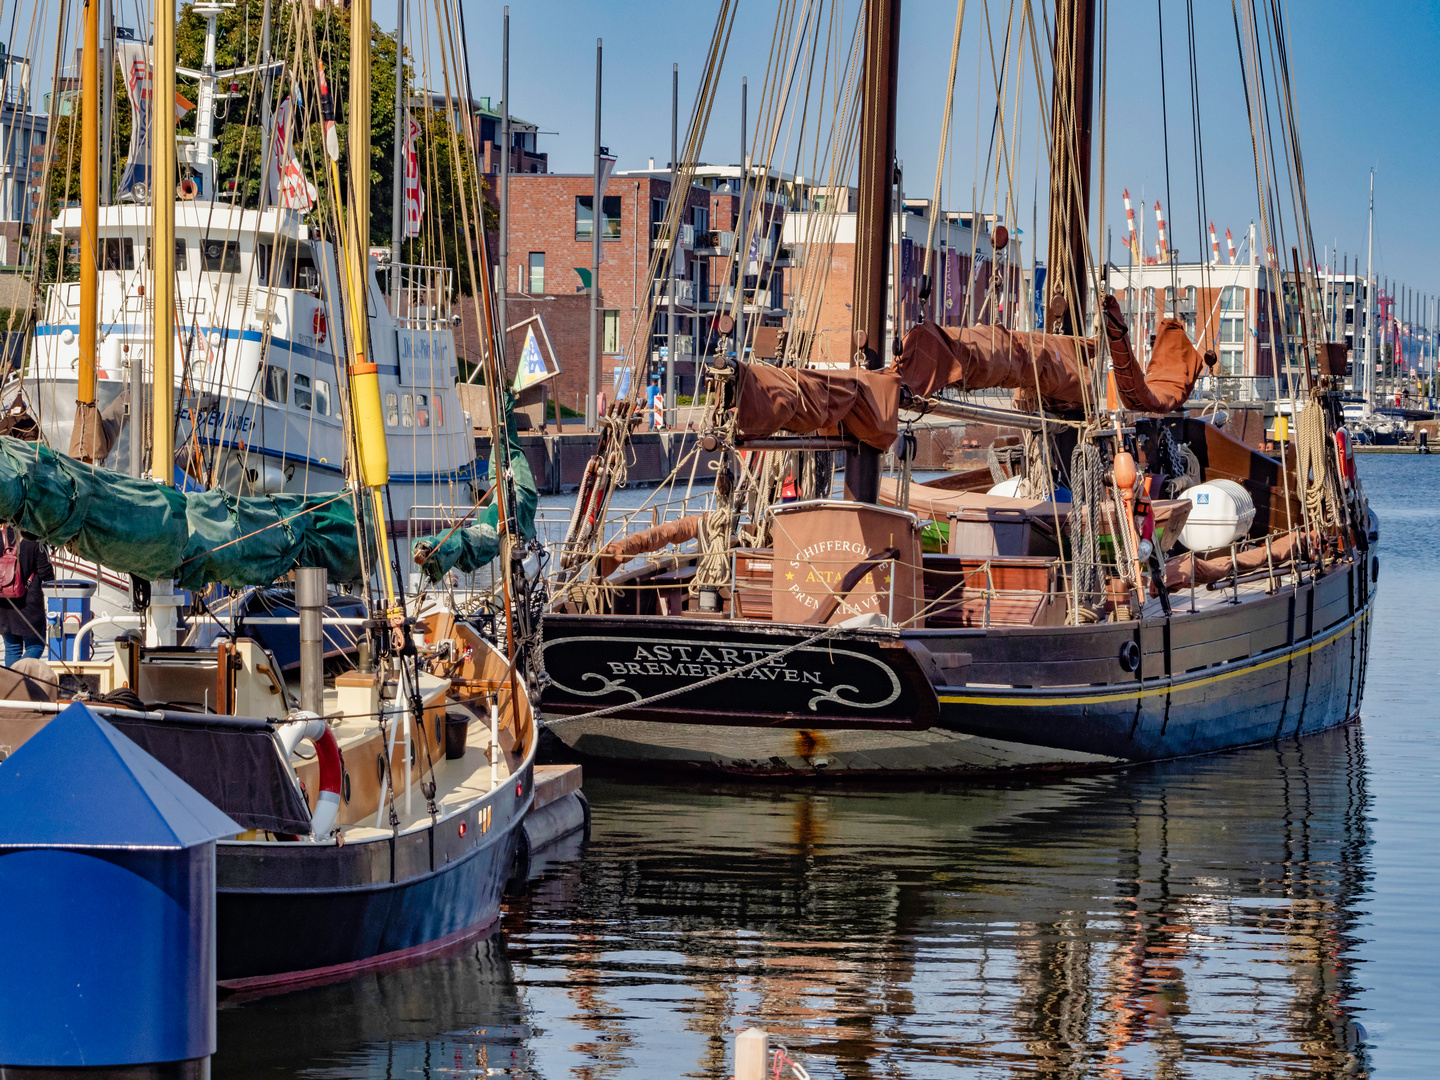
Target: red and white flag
x=414 y=196
x=288 y=187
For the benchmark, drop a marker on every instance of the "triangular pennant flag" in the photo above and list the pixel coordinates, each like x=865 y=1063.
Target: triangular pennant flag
x=532 y=369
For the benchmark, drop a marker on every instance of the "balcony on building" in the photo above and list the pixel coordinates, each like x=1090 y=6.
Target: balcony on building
x=660 y=236
x=714 y=242
x=685 y=292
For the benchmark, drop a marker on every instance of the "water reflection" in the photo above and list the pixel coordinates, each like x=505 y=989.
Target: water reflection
x=1193 y=919
x=456 y=1015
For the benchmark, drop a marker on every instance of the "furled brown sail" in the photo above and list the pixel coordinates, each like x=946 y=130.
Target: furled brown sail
x=865 y=404
x=986 y=357
x=620 y=551
x=1174 y=364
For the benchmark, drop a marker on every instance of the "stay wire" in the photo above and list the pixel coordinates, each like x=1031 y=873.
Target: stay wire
x=1165 y=132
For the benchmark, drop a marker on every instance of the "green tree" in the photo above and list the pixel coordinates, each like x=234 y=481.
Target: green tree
x=239 y=153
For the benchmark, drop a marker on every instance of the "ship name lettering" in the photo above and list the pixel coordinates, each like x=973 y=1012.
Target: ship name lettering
x=773 y=670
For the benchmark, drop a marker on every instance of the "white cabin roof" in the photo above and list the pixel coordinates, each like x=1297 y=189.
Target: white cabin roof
x=211 y=219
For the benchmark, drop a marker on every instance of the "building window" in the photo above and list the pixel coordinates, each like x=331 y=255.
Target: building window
x=658 y=212
x=1232 y=298
x=118 y=254
x=537 y=272
x=1232 y=331
x=585 y=217
x=610 y=337
x=392 y=410
x=303 y=398
x=700 y=218
x=276 y=385
x=1232 y=361
x=220 y=256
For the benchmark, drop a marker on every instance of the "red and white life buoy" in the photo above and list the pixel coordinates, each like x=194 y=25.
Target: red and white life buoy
x=319 y=325
x=1345 y=457
x=332 y=769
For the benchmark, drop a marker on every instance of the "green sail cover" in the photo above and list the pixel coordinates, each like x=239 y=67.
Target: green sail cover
x=468 y=549
x=139 y=527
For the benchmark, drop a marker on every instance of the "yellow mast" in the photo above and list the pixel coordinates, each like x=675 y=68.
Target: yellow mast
x=162 y=241
x=85 y=437
x=371 y=452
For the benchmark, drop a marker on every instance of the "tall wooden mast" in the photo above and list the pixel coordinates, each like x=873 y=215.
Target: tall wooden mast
x=86 y=443
x=162 y=244
x=1072 y=106
x=872 y=228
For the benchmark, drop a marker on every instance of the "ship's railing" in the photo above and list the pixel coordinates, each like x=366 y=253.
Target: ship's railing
x=552 y=523
x=418 y=296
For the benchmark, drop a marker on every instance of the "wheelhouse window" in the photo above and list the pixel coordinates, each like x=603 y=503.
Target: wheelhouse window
x=220 y=256
x=422 y=410
x=407 y=410
x=392 y=410
x=286 y=266
x=117 y=253
x=276 y=384
x=322 y=397
x=179 y=255
x=301 y=394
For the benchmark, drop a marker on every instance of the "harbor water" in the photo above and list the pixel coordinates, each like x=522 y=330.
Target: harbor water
x=1264 y=913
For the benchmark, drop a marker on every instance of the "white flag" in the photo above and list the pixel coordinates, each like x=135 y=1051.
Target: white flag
x=597 y=218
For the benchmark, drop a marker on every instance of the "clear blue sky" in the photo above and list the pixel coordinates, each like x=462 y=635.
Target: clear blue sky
x=1367 y=85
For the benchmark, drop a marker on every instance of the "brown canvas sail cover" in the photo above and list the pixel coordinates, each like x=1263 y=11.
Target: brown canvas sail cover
x=1187 y=570
x=1174 y=364
x=620 y=551
x=988 y=357
x=862 y=403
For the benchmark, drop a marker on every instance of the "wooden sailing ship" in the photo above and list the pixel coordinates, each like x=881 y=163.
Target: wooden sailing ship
x=826 y=635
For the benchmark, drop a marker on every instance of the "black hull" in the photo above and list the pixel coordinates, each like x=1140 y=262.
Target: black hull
x=1005 y=700
x=299 y=914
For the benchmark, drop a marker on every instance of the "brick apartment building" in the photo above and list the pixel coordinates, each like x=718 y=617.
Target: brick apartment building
x=551 y=217
x=485 y=122
x=963 y=270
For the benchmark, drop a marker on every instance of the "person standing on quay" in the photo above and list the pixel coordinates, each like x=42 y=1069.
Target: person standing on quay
x=25 y=567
